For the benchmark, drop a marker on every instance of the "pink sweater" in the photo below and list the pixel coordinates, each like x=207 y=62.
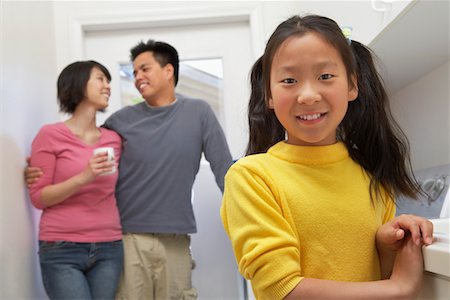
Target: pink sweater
x=91 y=214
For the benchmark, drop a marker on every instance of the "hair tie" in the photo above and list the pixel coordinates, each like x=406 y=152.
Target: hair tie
x=347 y=32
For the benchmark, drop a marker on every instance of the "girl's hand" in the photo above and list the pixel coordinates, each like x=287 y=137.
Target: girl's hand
x=391 y=234
x=407 y=272
x=97 y=165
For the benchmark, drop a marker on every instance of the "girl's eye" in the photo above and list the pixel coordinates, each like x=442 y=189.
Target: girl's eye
x=289 y=80
x=325 y=76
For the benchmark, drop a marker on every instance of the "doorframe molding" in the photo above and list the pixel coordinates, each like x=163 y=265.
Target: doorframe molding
x=80 y=22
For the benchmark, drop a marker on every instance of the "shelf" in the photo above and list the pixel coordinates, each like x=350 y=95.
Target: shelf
x=414 y=43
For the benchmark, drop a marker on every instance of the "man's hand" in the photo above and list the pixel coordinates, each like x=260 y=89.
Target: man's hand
x=31 y=174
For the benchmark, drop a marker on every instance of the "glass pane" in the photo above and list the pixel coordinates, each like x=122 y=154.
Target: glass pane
x=128 y=93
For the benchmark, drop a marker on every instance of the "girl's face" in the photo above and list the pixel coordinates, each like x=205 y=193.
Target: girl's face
x=310 y=90
x=98 y=89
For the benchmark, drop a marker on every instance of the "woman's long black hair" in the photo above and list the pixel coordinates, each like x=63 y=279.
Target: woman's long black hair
x=373 y=138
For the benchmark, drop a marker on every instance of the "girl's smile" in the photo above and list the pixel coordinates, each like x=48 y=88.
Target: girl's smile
x=311 y=118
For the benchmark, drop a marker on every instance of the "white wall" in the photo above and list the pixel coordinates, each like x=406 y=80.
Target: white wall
x=365 y=21
x=28 y=78
x=423 y=111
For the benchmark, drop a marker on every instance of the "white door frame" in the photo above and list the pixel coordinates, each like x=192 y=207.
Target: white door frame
x=71 y=48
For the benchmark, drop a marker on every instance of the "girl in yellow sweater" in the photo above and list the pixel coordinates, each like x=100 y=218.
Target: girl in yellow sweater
x=310 y=209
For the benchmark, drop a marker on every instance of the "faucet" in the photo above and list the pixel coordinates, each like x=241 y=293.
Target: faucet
x=433 y=188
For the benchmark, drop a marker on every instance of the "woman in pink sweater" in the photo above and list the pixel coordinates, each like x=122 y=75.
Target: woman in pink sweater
x=80 y=238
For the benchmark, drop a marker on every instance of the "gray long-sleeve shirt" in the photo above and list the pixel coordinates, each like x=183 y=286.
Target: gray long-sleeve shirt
x=162 y=148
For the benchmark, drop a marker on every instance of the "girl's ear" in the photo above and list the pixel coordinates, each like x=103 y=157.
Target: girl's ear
x=270 y=103
x=353 y=89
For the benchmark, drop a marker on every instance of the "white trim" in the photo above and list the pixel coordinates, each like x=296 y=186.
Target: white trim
x=256 y=31
x=76 y=43
x=81 y=22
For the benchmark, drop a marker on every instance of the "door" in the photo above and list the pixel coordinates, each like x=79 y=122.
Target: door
x=215 y=275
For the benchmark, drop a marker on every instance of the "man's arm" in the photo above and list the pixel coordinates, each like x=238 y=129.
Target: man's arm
x=215 y=147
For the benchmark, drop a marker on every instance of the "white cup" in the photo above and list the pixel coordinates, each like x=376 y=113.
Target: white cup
x=110 y=151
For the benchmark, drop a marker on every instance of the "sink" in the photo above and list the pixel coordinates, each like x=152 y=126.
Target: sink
x=436 y=258
x=437 y=255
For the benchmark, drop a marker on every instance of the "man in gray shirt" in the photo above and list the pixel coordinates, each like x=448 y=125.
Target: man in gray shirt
x=163 y=141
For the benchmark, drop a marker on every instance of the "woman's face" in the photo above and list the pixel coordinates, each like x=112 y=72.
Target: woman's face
x=98 y=89
x=310 y=89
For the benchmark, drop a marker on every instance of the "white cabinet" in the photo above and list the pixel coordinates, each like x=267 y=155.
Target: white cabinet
x=414 y=63
x=414 y=43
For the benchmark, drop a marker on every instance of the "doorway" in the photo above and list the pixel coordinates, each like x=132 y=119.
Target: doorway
x=215 y=275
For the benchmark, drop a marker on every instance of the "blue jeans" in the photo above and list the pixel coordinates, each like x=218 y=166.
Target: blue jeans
x=81 y=270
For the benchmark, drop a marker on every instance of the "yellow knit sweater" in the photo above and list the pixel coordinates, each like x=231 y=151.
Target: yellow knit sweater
x=297 y=212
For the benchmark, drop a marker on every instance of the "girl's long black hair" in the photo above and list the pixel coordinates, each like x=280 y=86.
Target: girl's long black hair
x=373 y=138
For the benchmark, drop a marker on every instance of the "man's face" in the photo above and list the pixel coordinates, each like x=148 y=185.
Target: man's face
x=152 y=80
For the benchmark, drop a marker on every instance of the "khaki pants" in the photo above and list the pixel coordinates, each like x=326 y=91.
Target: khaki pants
x=156 y=267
